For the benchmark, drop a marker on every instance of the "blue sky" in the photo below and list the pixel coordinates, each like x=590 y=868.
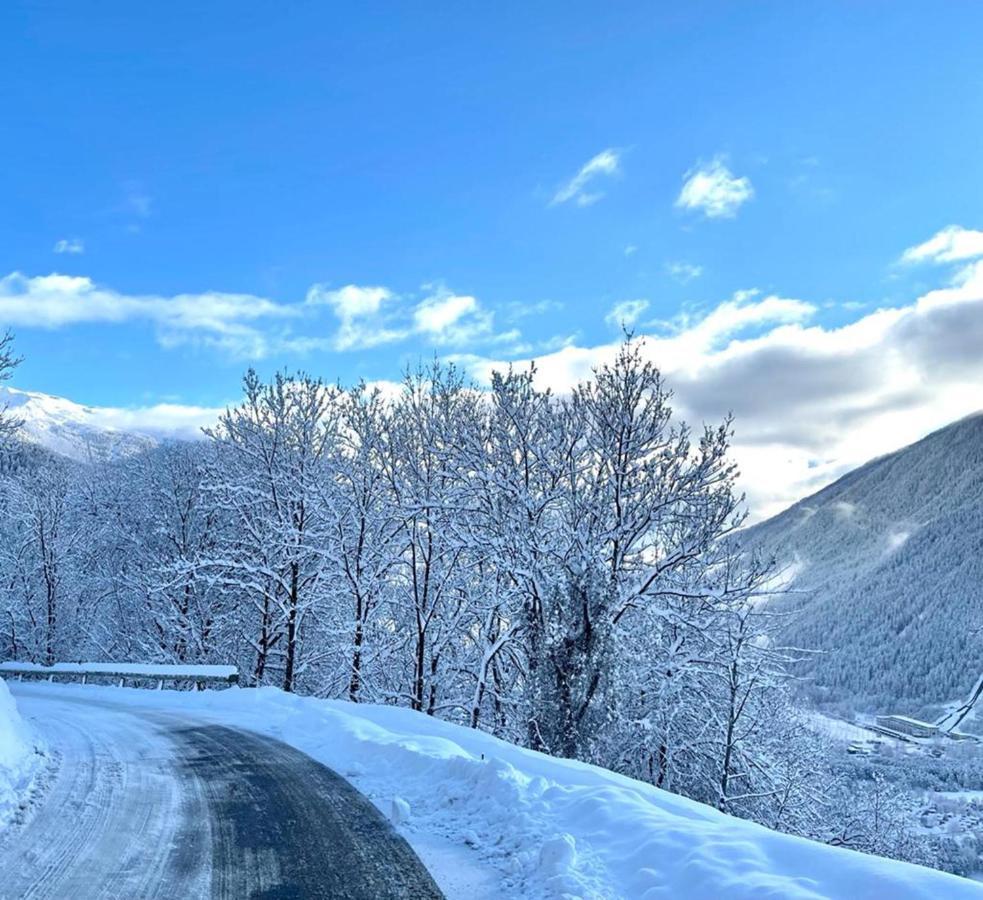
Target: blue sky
x=345 y=189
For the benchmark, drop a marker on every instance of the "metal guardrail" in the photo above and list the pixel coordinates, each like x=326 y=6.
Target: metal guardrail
x=198 y=676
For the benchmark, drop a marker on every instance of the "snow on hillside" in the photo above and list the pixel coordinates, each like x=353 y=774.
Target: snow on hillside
x=551 y=828
x=18 y=757
x=69 y=429
x=888 y=560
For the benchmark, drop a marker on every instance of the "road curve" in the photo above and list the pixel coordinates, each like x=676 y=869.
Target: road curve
x=151 y=805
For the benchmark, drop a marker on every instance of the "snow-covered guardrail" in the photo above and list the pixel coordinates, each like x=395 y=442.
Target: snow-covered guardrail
x=197 y=676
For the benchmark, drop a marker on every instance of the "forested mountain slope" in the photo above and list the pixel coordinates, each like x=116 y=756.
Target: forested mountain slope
x=890 y=562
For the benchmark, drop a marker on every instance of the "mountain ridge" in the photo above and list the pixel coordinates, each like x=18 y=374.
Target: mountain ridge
x=885 y=565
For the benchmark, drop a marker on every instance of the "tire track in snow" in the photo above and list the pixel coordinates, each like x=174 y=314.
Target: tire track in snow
x=113 y=797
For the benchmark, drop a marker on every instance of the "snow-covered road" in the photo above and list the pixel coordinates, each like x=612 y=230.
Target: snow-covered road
x=144 y=803
x=188 y=794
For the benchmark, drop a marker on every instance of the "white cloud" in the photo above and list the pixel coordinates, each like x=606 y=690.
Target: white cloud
x=714 y=190
x=358 y=310
x=606 y=163
x=951 y=244
x=351 y=301
x=452 y=318
x=683 y=272
x=439 y=313
x=372 y=316
x=626 y=313
x=810 y=401
x=250 y=326
x=631 y=250
x=743 y=312
x=74 y=246
x=161 y=419
x=225 y=321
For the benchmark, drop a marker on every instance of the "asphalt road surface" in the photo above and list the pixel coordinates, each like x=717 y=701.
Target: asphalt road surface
x=143 y=805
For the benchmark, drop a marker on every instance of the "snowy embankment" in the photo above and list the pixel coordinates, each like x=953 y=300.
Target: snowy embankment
x=551 y=828
x=19 y=757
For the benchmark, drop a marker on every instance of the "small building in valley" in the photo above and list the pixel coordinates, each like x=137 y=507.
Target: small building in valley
x=909 y=726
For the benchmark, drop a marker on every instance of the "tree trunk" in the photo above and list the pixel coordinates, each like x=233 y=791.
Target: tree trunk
x=291 y=660
x=355 y=684
x=263 y=645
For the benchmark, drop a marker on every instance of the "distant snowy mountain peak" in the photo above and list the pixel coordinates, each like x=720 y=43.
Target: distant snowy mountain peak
x=82 y=433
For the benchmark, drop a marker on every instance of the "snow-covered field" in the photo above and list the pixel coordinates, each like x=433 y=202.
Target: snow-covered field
x=539 y=827
x=839 y=729
x=19 y=759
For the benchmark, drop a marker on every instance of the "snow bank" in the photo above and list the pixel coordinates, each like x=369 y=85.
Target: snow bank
x=18 y=757
x=552 y=828
x=558 y=828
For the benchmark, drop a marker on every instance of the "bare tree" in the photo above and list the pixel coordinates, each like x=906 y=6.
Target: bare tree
x=433 y=589
x=366 y=537
x=9 y=361
x=270 y=454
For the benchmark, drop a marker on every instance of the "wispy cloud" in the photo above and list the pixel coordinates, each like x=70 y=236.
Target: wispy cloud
x=714 y=190
x=74 y=246
x=626 y=313
x=515 y=311
x=359 y=312
x=683 y=272
x=136 y=200
x=951 y=244
x=605 y=164
x=135 y=207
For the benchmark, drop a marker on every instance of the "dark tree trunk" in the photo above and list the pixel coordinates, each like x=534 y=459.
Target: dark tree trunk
x=291 y=656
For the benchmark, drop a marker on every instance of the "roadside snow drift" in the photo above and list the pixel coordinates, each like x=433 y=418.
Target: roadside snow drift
x=18 y=759
x=551 y=828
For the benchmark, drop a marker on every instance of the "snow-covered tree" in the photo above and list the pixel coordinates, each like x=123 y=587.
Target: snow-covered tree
x=432 y=587
x=640 y=509
x=41 y=544
x=171 y=529
x=365 y=539
x=265 y=475
x=9 y=361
